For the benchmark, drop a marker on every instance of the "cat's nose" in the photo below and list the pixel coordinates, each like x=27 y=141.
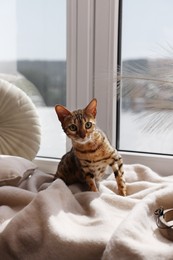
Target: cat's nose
x=82 y=134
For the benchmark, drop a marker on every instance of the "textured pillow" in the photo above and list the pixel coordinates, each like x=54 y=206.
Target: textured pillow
x=12 y=169
x=19 y=123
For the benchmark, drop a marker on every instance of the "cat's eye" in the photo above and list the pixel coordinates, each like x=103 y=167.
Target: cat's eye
x=73 y=127
x=88 y=125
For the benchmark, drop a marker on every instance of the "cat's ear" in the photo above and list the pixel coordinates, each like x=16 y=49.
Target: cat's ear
x=92 y=107
x=62 y=112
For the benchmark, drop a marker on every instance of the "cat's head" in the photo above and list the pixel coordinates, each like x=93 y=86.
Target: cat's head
x=79 y=124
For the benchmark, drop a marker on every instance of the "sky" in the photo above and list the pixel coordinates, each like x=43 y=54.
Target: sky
x=36 y=29
x=147 y=28
x=33 y=29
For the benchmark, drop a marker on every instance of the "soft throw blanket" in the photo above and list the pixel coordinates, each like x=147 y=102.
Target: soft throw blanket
x=42 y=219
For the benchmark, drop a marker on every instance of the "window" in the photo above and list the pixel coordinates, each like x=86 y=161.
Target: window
x=33 y=57
x=93 y=51
x=146 y=96
x=90 y=70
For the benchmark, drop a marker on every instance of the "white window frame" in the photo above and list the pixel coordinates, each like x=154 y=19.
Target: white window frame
x=92 y=33
x=92 y=30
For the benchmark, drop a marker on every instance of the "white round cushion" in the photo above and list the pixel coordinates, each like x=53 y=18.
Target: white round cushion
x=19 y=123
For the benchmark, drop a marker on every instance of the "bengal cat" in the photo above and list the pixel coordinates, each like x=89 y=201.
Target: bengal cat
x=91 y=151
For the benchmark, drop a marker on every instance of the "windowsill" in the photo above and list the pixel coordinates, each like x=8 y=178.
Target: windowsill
x=48 y=165
x=161 y=164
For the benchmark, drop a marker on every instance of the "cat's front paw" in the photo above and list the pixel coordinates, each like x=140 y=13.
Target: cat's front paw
x=94 y=188
x=122 y=192
x=92 y=185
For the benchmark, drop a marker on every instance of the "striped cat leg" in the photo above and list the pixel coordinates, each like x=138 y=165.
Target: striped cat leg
x=90 y=180
x=118 y=170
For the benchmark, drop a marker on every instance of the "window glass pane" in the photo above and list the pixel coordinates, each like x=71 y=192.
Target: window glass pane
x=33 y=57
x=146 y=98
